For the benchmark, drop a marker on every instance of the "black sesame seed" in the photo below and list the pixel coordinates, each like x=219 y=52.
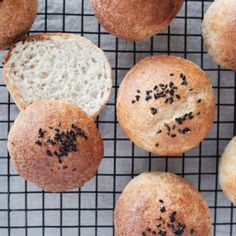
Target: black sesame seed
x=173 y=127
x=38 y=143
x=138 y=91
x=159 y=131
x=49 y=153
x=177 y=96
x=65 y=167
x=171 y=74
x=148 y=229
x=190 y=117
x=192 y=231
x=143 y=233
x=41 y=133
x=133 y=102
x=198 y=113
x=199 y=100
x=167 y=126
x=191 y=90
x=162 y=209
x=173 y=135
x=158 y=226
x=157 y=144
x=137 y=97
x=181 y=75
x=159 y=218
x=74 y=170
x=153 y=110
x=155 y=87
x=171 y=84
x=172 y=217
x=161 y=201
x=162 y=232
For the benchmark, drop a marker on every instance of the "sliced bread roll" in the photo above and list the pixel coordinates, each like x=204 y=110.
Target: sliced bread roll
x=58 y=66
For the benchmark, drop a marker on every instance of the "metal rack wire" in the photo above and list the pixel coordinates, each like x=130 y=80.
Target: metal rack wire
x=26 y=210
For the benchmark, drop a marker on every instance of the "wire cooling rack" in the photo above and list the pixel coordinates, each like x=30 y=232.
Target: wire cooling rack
x=26 y=210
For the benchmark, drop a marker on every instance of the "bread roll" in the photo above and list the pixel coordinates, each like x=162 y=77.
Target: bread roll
x=219 y=33
x=161 y=204
x=16 y=18
x=166 y=105
x=227 y=171
x=58 y=66
x=135 y=20
x=55 y=145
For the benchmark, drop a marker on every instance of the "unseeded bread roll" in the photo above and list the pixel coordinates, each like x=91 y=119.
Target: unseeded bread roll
x=58 y=66
x=161 y=204
x=219 y=33
x=135 y=20
x=166 y=105
x=55 y=145
x=16 y=18
x=227 y=171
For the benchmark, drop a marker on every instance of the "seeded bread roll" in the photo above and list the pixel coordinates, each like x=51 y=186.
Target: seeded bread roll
x=16 y=18
x=58 y=66
x=227 y=171
x=219 y=33
x=55 y=145
x=135 y=20
x=159 y=203
x=166 y=105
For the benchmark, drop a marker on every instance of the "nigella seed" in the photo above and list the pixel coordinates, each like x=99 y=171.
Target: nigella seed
x=167 y=126
x=191 y=90
x=159 y=218
x=65 y=167
x=190 y=117
x=148 y=229
x=173 y=216
x=159 y=131
x=74 y=170
x=158 y=226
x=192 y=231
x=173 y=127
x=157 y=144
x=171 y=84
x=154 y=232
x=198 y=113
x=171 y=74
x=181 y=75
x=161 y=201
x=199 y=100
x=148 y=98
x=143 y=234
x=173 y=135
x=133 y=102
x=137 y=97
x=155 y=87
x=138 y=91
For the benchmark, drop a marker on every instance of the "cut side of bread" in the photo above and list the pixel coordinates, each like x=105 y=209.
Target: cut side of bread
x=58 y=66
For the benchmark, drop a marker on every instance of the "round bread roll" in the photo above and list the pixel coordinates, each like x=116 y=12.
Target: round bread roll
x=166 y=105
x=16 y=18
x=219 y=33
x=163 y=204
x=55 y=145
x=135 y=20
x=227 y=171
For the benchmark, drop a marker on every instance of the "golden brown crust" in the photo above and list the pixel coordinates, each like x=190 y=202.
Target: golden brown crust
x=16 y=95
x=32 y=161
x=139 y=208
x=219 y=32
x=135 y=19
x=227 y=171
x=162 y=132
x=17 y=16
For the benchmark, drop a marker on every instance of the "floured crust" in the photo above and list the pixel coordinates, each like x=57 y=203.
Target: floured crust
x=162 y=131
x=218 y=30
x=158 y=201
x=17 y=95
x=49 y=172
x=17 y=16
x=135 y=20
x=227 y=171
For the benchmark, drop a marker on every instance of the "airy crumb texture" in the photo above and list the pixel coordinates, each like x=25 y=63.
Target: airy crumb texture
x=55 y=145
x=218 y=29
x=227 y=171
x=59 y=66
x=166 y=105
x=164 y=204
